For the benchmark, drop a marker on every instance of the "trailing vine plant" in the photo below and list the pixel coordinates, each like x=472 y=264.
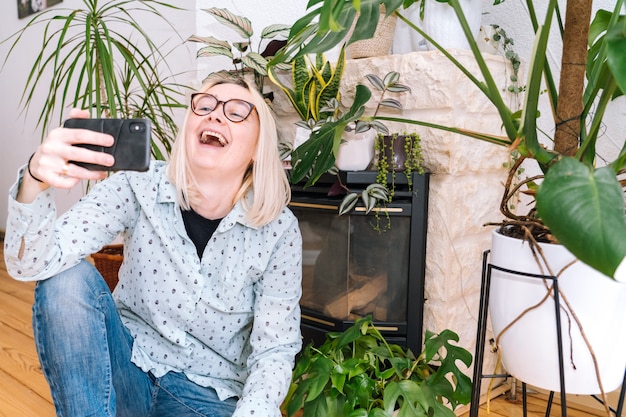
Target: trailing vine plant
x=386 y=168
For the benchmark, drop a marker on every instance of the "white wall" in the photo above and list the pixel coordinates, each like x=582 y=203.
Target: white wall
x=19 y=138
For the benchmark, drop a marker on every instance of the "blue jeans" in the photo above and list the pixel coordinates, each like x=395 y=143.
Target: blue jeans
x=85 y=353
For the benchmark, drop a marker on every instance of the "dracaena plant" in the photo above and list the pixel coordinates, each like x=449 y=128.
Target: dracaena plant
x=99 y=58
x=241 y=53
x=358 y=373
x=579 y=201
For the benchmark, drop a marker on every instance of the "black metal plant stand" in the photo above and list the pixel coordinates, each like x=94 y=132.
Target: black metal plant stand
x=480 y=345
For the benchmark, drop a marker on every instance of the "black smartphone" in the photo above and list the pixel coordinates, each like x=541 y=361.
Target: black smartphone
x=131 y=148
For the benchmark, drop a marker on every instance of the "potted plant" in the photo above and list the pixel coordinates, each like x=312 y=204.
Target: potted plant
x=99 y=58
x=398 y=153
x=313 y=91
x=97 y=62
x=241 y=53
x=312 y=88
x=395 y=153
x=578 y=203
x=357 y=372
x=309 y=163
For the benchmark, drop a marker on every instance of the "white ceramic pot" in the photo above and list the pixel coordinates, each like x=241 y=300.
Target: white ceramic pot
x=441 y=23
x=302 y=135
x=406 y=39
x=529 y=347
x=357 y=151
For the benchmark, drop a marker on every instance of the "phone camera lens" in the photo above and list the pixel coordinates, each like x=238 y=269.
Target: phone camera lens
x=137 y=127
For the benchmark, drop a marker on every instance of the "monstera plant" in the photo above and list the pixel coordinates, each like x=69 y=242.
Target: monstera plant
x=358 y=373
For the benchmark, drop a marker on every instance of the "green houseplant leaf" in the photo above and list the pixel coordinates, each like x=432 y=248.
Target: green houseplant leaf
x=616 y=45
x=575 y=200
x=358 y=373
x=240 y=24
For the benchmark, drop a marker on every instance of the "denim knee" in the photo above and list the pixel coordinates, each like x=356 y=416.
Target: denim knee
x=64 y=295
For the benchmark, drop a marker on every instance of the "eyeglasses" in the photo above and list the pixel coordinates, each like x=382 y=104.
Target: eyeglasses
x=235 y=110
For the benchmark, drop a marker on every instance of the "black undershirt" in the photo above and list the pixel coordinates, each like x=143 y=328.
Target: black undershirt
x=200 y=229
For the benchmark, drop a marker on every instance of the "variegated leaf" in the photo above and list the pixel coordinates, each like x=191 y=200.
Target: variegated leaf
x=241 y=46
x=275 y=30
x=380 y=127
x=368 y=200
x=376 y=81
x=303 y=124
x=361 y=126
x=214 y=50
x=348 y=203
x=391 y=78
x=208 y=40
x=391 y=102
x=378 y=191
x=256 y=62
x=398 y=88
x=239 y=24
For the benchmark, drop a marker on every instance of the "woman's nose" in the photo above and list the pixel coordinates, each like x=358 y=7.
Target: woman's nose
x=216 y=114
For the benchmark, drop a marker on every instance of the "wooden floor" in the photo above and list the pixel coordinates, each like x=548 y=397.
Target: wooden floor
x=24 y=391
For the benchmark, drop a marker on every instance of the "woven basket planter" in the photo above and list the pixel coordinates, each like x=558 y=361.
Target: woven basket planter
x=380 y=44
x=108 y=261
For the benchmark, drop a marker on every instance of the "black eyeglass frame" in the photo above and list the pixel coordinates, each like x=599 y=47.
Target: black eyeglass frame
x=223 y=103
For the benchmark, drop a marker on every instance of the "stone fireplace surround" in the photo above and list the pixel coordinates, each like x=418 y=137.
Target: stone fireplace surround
x=466 y=175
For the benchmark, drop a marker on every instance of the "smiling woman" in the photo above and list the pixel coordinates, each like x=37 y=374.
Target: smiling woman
x=207 y=303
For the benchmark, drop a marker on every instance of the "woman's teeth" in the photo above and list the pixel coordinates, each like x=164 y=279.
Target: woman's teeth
x=208 y=137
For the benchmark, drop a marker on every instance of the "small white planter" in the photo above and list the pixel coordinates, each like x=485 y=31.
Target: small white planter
x=356 y=153
x=301 y=136
x=529 y=347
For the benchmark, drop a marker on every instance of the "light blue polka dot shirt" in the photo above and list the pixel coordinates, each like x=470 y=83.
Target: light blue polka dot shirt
x=230 y=320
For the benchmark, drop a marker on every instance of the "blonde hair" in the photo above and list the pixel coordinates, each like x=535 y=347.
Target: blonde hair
x=265 y=189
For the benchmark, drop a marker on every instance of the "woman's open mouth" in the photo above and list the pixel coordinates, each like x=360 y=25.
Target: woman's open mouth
x=213 y=138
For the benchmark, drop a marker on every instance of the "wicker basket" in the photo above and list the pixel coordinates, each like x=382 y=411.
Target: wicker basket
x=380 y=44
x=108 y=261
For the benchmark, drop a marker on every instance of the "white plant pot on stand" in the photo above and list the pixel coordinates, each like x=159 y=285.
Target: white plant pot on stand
x=529 y=346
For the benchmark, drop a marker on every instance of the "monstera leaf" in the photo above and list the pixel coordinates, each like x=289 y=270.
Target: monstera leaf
x=584 y=209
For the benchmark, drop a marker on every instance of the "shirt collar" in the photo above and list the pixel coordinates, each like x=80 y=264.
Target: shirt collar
x=166 y=193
